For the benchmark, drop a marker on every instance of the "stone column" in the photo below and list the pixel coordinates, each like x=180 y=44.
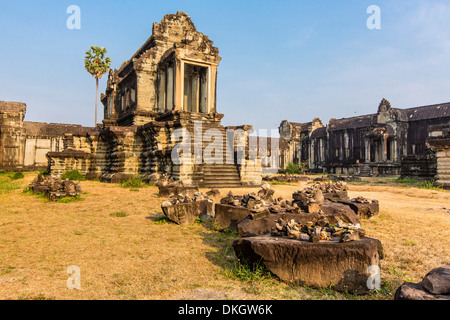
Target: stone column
x=439 y=140
x=195 y=89
x=170 y=89
x=178 y=84
x=161 y=90
x=367 y=150
x=203 y=96
x=212 y=78
x=384 y=148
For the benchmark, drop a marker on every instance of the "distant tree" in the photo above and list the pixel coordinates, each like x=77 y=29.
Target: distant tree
x=97 y=65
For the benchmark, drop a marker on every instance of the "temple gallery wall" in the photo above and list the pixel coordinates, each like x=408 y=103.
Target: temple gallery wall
x=170 y=84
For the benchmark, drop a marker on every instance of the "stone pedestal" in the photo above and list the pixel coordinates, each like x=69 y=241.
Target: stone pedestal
x=352 y=266
x=229 y=217
x=187 y=213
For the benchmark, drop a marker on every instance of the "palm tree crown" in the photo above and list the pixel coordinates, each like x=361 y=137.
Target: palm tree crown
x=97 y=65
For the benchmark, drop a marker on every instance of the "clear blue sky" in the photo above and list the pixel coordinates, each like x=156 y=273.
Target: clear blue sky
x=293 y=60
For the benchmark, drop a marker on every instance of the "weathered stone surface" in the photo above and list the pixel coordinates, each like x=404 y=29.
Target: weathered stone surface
x=333 y=212
x=343 y=266
x=187 y=213
x=251 y=228
x=363 y=209
x=338 y=211
x=434 y=286
x=165 y=191
x=336 y=196
x=228 y=216
x=437 y=281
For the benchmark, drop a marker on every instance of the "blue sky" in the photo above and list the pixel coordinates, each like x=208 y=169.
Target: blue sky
x=293 y=60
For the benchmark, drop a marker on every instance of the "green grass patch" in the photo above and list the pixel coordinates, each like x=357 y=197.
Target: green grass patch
x=246 y=273
x=407 y=180
x=17 y=176
x=69 y=199
x=73 y=175
x=279 y=183
x=8 y=181
x=134 y=183
x=119 y=214
x=161 y=220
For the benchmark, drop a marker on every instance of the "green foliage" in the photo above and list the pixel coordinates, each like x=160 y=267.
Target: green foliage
x=429 y=184
x=44 y=172
x=198 y=220
x=17 y=176
x=247 y=273
x=422 y=184
x=161 y=220
x=96 y=63
x=73 y=175
x=134 y=183
x=119 y=214
x=407 y=180
x=6 y=184
x=292 y=168
x=69 y=199
x=297 y=168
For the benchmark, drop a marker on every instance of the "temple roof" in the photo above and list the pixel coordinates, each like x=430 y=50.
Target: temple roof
x=428 y=112
x=351 y=123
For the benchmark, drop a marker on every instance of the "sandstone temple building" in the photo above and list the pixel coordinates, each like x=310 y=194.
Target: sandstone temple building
x=168 y=85
x=390 y=142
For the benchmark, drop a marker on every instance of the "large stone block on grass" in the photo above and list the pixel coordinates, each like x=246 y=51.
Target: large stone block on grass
x=187 y=213
x=435 y=286
x=338 y=211
x=228 y=216
x=336 y=196
x=351 y=266
x=363 y=210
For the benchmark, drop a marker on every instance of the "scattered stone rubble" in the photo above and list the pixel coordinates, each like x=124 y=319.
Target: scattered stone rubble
x=318 y=230
x=55 y=187
x=185 y=209
x=296 y=238
x=169 y=187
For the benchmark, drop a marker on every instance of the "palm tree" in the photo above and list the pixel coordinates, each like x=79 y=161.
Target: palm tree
x=97 y=65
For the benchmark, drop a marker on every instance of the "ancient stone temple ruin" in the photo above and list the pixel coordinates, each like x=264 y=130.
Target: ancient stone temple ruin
x=168 y=86
x=25 y=144
x=389 y=142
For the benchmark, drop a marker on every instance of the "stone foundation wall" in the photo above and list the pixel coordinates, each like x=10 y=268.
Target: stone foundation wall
x=439 y=140
x=24 y=144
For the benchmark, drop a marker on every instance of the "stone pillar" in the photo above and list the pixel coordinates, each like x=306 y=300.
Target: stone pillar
x=203 y=96
x=178 y=82
x=195 y=89
x=161 y=91
x=439 y=140
x=170 y=89
x=212 y=81
x=384 y=148
x=367 y=150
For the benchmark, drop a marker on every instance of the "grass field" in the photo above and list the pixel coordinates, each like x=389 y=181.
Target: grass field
x=125 y=248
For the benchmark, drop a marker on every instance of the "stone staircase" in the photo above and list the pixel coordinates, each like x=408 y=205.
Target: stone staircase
x=365 y=170
x=220 y=175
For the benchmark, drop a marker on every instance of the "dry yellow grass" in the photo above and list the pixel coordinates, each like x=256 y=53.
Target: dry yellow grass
x=136 y=257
